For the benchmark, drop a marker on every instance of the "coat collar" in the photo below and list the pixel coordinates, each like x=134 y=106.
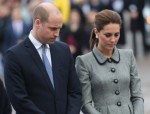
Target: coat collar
x=101 y=59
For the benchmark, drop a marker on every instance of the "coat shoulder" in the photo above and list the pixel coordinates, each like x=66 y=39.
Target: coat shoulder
x=125 y=52
x=126 y=55
x=85 y=57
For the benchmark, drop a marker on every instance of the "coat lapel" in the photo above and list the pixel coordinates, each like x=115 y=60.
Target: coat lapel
x=37 y=59
x=55 y=63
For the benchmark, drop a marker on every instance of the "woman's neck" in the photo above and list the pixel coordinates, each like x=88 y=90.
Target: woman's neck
x=107 y=53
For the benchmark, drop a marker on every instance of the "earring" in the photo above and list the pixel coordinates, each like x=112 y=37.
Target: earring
x=96 y=36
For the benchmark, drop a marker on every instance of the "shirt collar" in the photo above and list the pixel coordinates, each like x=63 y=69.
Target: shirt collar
x=101 y=59
x=35 y=42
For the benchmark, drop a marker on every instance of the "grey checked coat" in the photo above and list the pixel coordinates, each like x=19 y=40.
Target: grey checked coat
x=110 y=86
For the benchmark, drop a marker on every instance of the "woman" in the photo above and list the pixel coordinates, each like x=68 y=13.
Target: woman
x=5 y=107
x=108 y=75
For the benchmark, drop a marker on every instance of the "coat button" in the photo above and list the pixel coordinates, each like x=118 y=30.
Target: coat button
x=113 y=69
x=117 y=92
x=118 y=103
x=109 y=60
x=116 y=81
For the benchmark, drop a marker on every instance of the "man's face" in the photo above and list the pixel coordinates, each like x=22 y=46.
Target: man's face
x=49 y=31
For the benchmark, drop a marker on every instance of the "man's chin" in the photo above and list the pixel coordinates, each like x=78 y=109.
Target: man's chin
x=52 y=42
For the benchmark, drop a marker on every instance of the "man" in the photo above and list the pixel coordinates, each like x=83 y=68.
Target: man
x=31 y=88
x=5 y=107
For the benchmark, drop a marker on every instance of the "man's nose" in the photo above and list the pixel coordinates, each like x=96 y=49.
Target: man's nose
x=57 y=32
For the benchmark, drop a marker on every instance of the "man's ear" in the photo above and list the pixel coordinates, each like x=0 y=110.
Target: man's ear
x=37 y=23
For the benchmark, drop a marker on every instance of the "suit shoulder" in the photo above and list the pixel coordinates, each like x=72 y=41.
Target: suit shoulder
x=60 y=43
x=60 y=48
x=15 y=51
x=15 y=48
x=18 y=47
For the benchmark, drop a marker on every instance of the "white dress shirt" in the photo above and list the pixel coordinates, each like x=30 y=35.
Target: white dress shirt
x=38 y=47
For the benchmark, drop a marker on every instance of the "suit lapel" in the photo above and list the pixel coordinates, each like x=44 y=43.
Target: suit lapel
x=55 y=63
x=37 y=59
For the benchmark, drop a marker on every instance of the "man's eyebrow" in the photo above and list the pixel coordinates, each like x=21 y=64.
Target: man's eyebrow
x=55 y=26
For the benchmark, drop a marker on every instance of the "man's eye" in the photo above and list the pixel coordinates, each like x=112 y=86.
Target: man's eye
x=117 y=34
x=53 y=29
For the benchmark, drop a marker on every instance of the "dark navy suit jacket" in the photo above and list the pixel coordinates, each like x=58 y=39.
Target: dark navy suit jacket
x=5 y=107
x=28 y=84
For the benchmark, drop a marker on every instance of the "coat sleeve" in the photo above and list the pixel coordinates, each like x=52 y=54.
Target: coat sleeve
x=135 y=87
x=15 y=86
x=83 y=73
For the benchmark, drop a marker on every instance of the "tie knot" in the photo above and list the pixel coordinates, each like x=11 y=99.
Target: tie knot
x=43 y=47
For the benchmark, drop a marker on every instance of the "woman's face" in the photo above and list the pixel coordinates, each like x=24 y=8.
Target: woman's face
x=108 y=37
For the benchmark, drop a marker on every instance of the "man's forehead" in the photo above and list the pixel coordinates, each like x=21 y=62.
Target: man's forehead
x=55 y=22
x=53 y=25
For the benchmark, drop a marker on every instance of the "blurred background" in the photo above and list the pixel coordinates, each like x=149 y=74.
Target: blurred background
x=78 y=17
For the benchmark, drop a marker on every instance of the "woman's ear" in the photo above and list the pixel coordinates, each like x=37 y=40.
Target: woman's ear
x=96 y=32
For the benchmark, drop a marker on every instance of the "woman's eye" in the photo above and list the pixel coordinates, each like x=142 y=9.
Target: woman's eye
x=108 y=35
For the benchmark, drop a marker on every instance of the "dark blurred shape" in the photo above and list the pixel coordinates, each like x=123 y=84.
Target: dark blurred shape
x=4 y=18
x=16 y=30
x=74 y=33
